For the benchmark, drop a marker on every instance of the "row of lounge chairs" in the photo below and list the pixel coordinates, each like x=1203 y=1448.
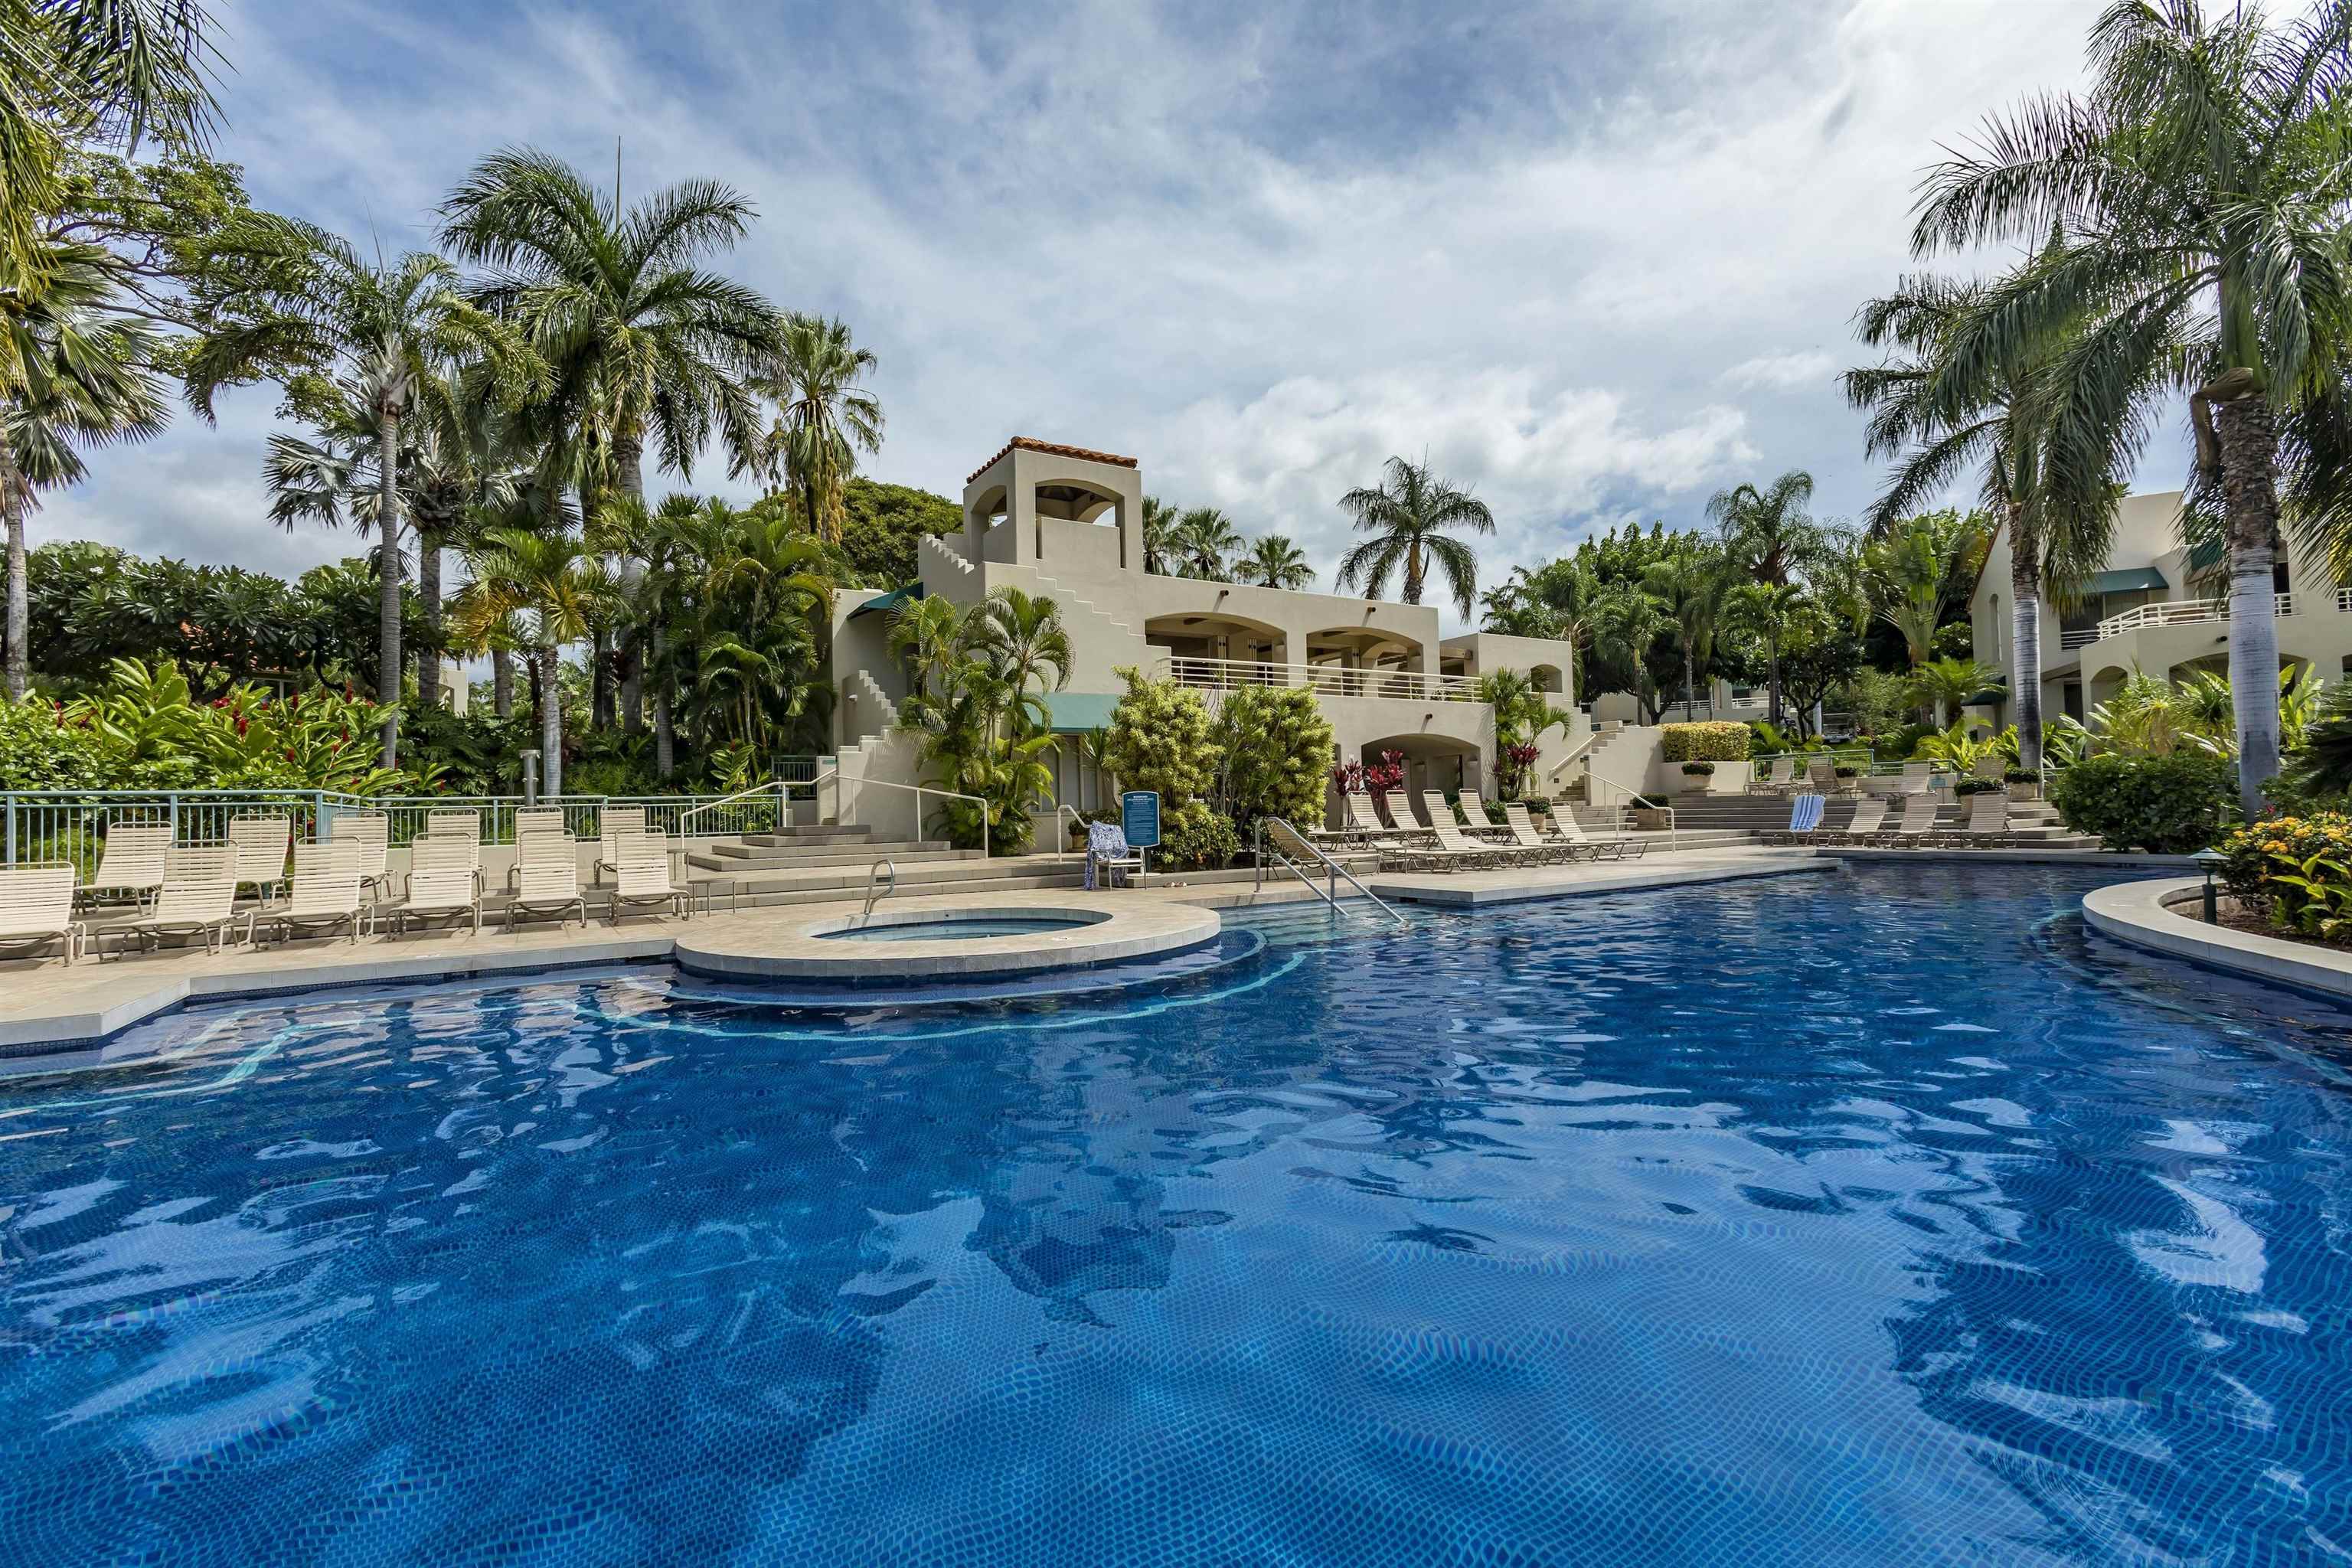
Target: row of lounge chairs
x=1915 y=828
x=1438 y=841
x=1818 y=775
x=338 y=884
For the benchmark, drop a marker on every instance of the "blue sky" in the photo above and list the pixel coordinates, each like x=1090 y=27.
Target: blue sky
x=1595 y=260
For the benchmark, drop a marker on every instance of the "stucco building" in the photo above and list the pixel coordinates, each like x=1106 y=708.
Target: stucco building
x=2152 y=608
x=1067 y=523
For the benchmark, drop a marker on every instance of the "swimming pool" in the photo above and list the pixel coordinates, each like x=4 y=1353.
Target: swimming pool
x=1881 y=1218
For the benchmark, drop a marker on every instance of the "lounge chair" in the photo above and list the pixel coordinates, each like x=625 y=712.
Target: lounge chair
x=640 y=875
x=1778 y=773
x=1434 y=803
x=1524 y=834
x=1918 y=778
x=1387 y=816
x=37 y=905
x=1111 y=859
x=615 y=823
x=326 y=894
x=536 y=843
x=463 y=822
x=199 y=899
x=1474 y=810
x=1821 y=776
x=1987 y=824
x=1917 y=824
x=134 y=862
x=1869 y=817
x=371 y=832
x=261 y=843
x=444 y=882
x=548 y=886
x=1568 y=830
x=1804 y=820
x=1364 y=819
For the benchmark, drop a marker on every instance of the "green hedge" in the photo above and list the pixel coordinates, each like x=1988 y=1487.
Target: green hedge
x=2170 y=805
x=1713 y=742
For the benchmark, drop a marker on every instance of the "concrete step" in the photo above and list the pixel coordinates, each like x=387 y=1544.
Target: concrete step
x=843 y=852
x=814 y=833
x=943 y=876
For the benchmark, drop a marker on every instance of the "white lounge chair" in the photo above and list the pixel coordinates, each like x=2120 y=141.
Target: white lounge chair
x=36 y=904
x=444 y=882
x=1778 y=773
x=537 y=843
x=1568 y=830
x=1364 y=819
x=1868 y=820
x=641 y=877
x=134 y=862
x=371 y=832
x=1804 y=820
x=326 y=891
x=1987 y=824
x=198 y=899
x=1917 y=824
x=453 y=821
x=1524 y=834
x=443 y=850
x=548 y=886
x=261 y=843
x=615 y=823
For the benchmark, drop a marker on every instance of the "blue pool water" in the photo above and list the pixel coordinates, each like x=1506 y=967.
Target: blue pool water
x=1877 y=1219
x=957 y=931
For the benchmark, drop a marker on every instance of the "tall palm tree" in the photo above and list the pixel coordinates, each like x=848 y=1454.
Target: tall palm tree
x=2058 y=503
x=823 y=418
x=1273 y=562
x=1631 y=619
x=640 y=343
x=1412 y=517
x=1160 y=521
x=1021 y=638
x=383 y=328
x=1769 y=535
x=1691 y=586
x=1203 y=541
x=81 y=378
x=2200 y=184
x=553 y=582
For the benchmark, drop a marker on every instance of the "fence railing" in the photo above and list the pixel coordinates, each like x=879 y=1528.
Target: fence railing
x=2170 y=612
x=69 y=825
x=1327 y=680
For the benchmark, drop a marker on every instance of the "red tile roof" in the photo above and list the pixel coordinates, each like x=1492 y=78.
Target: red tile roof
x=1028 y=444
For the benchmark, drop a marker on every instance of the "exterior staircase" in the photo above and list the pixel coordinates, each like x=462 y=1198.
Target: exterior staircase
x=830 y=863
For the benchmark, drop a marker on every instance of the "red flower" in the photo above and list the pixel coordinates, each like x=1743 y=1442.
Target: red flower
x=289 y=753
x=240 y=724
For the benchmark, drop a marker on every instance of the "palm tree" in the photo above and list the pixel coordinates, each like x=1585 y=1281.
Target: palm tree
x=1632 y=619
x=1204 y=538
x=1945 y=685
x=1412 y=518
x=386 y=329
x=1273 y=562
x=1691 y=586
x=1770 y=536
x=81 y=378
x=2200 y=185
x=640 y=343
x=552 y=581
x=1021 y=638
x=2058 y=502
x=1918 y=570
x=1159 y=537
x=823 y=418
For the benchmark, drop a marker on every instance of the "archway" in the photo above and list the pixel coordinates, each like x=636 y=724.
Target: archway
x=1215 y=648
x=1431 y=761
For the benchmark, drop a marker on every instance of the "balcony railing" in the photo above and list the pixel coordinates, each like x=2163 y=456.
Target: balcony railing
x=2167 y=613
x=1328 y=679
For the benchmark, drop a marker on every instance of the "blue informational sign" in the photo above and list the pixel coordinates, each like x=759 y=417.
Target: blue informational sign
x=1139 y=817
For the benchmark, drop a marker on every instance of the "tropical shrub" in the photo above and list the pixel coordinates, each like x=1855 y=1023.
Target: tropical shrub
x=1977 y=786
x=1161 y=739
x=2170 y=805
x=1274 y=756
x=1699 y=770
x=1721 y=741
x=1193 y=838
x=2296 y=871
x=2018 y=776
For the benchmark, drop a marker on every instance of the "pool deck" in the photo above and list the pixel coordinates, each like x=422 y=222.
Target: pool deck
x=53 y=1016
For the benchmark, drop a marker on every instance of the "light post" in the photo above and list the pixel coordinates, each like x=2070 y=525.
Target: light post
x=2209 y=861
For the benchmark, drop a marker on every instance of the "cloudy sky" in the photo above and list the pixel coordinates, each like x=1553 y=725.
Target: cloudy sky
x=1595 y=259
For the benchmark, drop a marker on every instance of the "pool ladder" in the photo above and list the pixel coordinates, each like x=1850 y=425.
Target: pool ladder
x=880 y=883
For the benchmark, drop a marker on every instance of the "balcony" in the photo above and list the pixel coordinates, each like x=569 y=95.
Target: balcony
x=1327 y=680
x=2175 y=613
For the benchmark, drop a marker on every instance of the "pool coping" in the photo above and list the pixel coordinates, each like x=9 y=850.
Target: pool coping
x=802 y=948
x=1479 y=890
x=2141 y=915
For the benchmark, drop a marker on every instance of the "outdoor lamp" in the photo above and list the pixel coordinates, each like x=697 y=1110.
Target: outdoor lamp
x=2209 y=861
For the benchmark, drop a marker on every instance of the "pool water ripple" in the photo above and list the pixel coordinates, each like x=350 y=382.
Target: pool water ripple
x=1884 y=1218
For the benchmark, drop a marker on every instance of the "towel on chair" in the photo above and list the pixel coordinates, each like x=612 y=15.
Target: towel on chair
x=1106 y=842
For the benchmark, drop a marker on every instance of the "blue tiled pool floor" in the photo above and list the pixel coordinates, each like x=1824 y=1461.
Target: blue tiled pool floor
x=1882 y=1218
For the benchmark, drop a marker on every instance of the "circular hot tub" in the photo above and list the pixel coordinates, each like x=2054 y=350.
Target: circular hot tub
x=949 y=937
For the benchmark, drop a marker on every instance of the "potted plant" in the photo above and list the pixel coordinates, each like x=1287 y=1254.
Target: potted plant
x=1701 y=771
x=1974 y=786
x=2024 y=784
x=1649 y=814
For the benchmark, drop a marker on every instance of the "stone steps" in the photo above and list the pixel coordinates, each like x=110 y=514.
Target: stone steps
x=731 y=857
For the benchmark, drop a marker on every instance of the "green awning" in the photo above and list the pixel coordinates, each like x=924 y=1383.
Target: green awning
x=888 y=602
x=1990 y=697
x=2131 y=580
x=1075 y=712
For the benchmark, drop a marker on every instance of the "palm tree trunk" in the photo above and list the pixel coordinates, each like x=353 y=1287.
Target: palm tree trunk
x=1690 y=680
x=428 y=593
x=2250 y=495
x=20 y=625
x=1412 y=575
x=502 y=683
x=387 y=675
x=628 y=458
x=665 y=733
x=1773 y=655
x=600 y=682
x=551 y=724
x=2025 y=591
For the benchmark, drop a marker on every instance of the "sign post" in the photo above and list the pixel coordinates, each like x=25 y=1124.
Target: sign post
x=1138 y=819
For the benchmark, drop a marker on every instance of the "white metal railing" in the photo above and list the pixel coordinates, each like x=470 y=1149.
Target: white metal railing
x=2344 y=600
x=1328 y=679
x=1332 y=869
x=2172 y=613
x=2083 y=637
x=844 y=793
x=1619 y=801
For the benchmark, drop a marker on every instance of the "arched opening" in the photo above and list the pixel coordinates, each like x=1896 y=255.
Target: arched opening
x=1549 y=679
x=1217 y=648
x=1363 y=661
x=1431 y=761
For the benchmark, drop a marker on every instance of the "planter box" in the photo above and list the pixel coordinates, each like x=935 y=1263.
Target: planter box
x=1648 y=819
x=2025 y=792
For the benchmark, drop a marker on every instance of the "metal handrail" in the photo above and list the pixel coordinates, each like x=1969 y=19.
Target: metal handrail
x=1063 y=808
x=783 y=788
x=1674 y=833
x=873 y=898
x=919 y=791
x=1332 y=871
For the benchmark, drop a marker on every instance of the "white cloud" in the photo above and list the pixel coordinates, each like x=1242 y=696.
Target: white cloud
x=1807 y=367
